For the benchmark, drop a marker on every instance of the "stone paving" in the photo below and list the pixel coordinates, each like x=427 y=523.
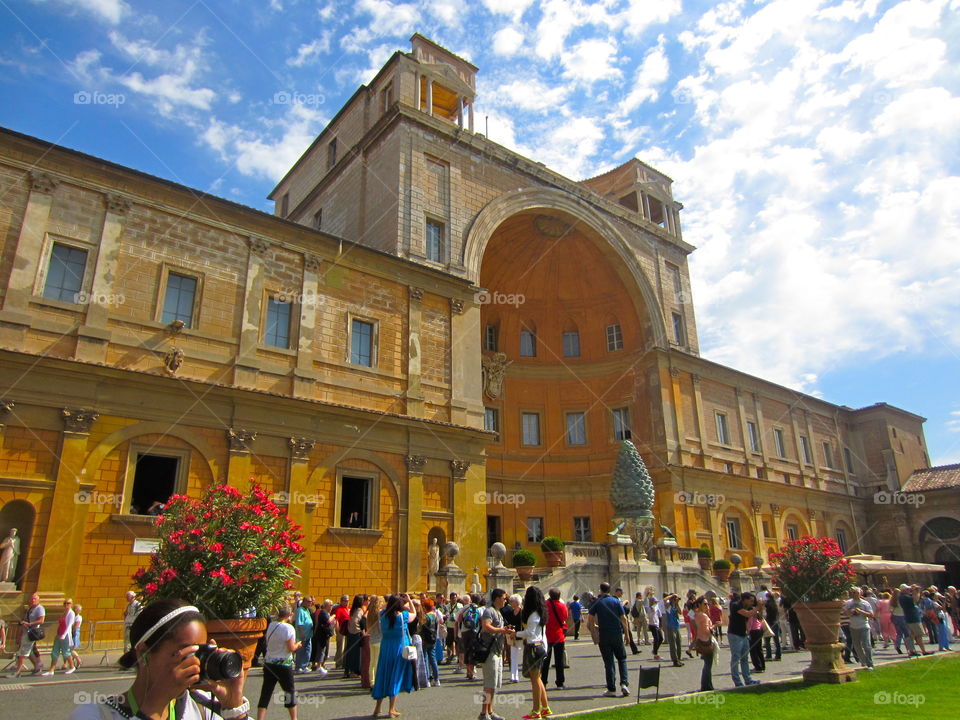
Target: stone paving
x=42 y=698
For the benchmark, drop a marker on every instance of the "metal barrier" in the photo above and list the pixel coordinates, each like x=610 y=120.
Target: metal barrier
x=106 y=636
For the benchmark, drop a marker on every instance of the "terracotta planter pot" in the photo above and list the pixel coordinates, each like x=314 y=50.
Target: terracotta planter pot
x=524 y=572
x=554 y=558
x=820 y=620
x=705 y=563
x=722 y=575
x=240 y=634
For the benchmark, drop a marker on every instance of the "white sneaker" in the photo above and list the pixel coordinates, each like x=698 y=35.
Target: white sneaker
x=323 y=671
x=73 y=669
x=609 y=693
x=48 y=673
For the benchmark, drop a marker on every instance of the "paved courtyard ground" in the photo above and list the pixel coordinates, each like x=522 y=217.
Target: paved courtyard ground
x=45 y=698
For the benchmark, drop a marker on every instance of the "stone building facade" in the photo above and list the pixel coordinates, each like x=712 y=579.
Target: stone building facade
x=431 y=337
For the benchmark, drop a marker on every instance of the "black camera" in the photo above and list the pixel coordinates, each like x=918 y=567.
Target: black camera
x=217 y=664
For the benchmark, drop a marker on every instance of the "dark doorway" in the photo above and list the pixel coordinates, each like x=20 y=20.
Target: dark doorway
x=493 y=530
x=154 y=481
x=355 y=502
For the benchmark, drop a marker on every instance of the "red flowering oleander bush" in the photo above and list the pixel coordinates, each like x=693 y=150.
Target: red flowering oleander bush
x=813 y=569
x=224 y=552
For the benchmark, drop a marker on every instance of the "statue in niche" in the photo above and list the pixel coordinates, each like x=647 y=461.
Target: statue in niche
x=433 y=562
x=475 y=586
x=9 y=555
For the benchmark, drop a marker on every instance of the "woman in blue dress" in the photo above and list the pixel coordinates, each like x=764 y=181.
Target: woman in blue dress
x=394 y=672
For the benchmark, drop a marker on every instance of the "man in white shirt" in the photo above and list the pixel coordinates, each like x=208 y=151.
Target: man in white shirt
x=860 y=612
x=130 y=613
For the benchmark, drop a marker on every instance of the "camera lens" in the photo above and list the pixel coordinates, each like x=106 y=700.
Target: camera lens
x=217 y=664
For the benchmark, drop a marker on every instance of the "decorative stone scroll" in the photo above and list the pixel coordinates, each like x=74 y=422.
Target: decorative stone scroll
x=258 y=246
x=240 y=439
x=415 y=464
x=117 y=204
x=456 y=305
x=43 y=182
x=301 y=447
x=79 y=420
x=416 y=293
x=458 y=468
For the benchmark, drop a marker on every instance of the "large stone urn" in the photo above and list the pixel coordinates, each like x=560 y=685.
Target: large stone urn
x=821 y=628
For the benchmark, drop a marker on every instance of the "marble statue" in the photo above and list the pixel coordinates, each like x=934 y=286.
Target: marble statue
x=9 y=554
x=632 y=496
x=475 y=586
x=433 y=561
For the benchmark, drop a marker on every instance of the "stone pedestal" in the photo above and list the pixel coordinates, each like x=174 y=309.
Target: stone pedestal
x=499 y=577
x=826 y=664
x=451 y=578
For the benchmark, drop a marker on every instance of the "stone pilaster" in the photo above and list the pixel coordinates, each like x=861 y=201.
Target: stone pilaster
x=414 y=396
x=246 y=370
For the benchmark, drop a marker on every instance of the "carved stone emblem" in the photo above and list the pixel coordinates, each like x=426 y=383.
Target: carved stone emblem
x=258 y=246
x=43 y=182
x=416 y=293
x=300 y=447
x=117 y=204
x=79 y=420
x=456 y=305
x=172 y=360
x=311 y=262
x=494 y=370
x=776 y=510
x=240 y=439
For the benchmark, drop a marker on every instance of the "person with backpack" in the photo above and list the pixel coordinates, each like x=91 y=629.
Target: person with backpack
x=450 y=613
x=556 y=637
x=303 y=626
x=429 y=632
x=468 y=623
x=488 y=651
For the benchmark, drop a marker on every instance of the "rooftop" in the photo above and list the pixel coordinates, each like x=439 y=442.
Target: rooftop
x=943 y=477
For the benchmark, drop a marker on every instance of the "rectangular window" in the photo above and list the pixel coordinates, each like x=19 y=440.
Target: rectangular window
x=277 y=333
x=766 y=528
x=805 y=449
x=491 y=420
x=493 y=529
x=728 y=468
x=355 y=502
x=827 y=454
x=531 y=428
x=65 y=273
x=779 y=443
x=581 y=530
x=792 y=532
x=491 y=337
x=534 y=529
x=754 y=436
x=679 y=335
x=674 y=272
x=723 y=435
x=848 y=460
x=332 y=153
x=759 y=472
x=528 y=343
x=178 y=301
x=733 y=533
x=576 y=431
x=621 y=424
x=361 y=343
x=571 y=344
x=614 y=338
x=154 y=481
x=842 y=540
x=434 y=241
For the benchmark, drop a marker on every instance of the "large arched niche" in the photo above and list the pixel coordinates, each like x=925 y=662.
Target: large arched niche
x=503 y=214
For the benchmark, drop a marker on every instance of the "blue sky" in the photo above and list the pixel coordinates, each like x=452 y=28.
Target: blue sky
x=815 y=144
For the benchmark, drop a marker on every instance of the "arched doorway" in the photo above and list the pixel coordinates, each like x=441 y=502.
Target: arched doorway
x=949 y=557
x=21 y=515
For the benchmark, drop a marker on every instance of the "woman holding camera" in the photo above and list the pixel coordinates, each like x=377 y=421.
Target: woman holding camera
x=166 y=640
x=278 y=663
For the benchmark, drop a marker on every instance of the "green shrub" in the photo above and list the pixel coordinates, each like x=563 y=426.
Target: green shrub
x=721 y=564
x=551 y=544
x=704 y=552
x=523 y=558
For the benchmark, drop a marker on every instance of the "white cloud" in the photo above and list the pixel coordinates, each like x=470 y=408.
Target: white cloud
x=309 y=52
x=507 y=41
x=590 y=61
x=512 y=8
x=387 y=18
x=532 y=95
x=111 y=11
x=653 y=72
x=933 y=109
x=641 y=14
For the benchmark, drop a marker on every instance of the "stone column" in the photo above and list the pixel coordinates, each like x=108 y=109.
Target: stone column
x=300 y=503
x=466 y=393
x=410 y=542
x=23 y=274
x=414 y=394
x=744 y=435
x=429 y=96
x=238 y=460
x=470 y=516
x=758 y=410
x=64 y=539
x=247 y=366
x=698 y=404
x=304 y=376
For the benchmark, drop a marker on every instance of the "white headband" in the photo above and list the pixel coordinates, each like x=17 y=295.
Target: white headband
x=164 y=620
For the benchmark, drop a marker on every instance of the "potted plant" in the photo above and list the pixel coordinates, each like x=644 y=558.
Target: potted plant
x=721 y=569
x=704 y=557
x=815 y=578
x=523 y=561
x=231 y=555
x=552 y=550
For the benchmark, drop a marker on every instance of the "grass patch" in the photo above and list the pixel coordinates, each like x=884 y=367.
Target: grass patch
x=918 y=688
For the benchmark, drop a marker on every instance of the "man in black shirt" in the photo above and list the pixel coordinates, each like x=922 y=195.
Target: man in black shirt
x=773 y=620
x=741 y=609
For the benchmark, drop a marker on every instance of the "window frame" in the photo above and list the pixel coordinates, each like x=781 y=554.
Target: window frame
x=737 y=535
x=271 y=298
x=491 y=331
x=616 y=419
x=805 y=450
x=575 y=335
x=753 y=436
x=616 y=336
x=578 y=531
x=134 y=450
x=430 y=221
x=524 y=331
x=331 y=153
x=848 y=461
x=779 y=443
x=374 y=510
x=43 y=267
x=679 y=329
x=792 y=531
x=166 y=269
x=722 y=427
x=374 y=341
x=827 y=447
x=840 y=535
x=487 y=410
x=566 y=428
x=530 y=539
x=523 y=428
